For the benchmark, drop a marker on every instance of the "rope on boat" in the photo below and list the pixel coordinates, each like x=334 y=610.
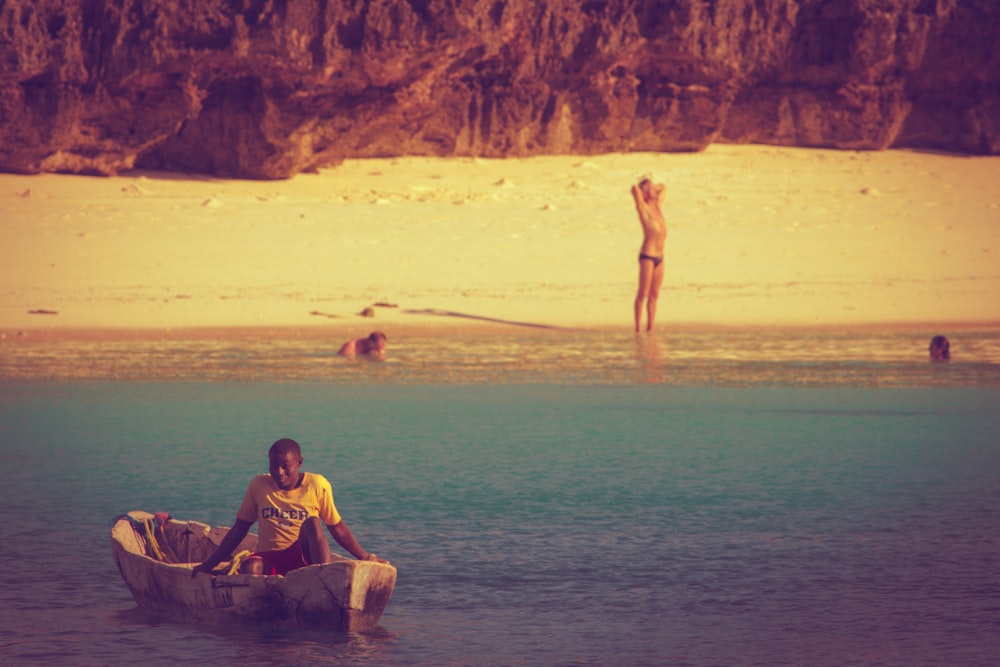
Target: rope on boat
x=237 y=559
x=151 y=536
x=148 y=527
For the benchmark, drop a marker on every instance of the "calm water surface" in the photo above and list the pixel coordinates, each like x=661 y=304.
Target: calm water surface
x=589 y=503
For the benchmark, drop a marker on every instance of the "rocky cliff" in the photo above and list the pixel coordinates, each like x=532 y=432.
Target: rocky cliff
x=269 y=88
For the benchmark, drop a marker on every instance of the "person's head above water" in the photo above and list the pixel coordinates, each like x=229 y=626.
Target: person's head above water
x=940 y=348
x=373 y=344
x=377 y=341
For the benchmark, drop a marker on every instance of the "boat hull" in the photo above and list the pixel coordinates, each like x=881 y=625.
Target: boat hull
x=346 y=595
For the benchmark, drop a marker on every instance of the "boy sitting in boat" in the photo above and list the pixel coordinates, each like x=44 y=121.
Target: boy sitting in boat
x=292 y=508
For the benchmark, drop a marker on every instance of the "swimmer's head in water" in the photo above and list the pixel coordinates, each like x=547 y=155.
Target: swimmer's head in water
x=940 y=348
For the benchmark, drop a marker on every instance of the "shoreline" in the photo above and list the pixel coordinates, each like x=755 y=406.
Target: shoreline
x=464 y=329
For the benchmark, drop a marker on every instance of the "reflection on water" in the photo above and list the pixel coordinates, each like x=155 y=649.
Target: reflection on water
x=260 y=645
x=723 y=358
x=649 y=355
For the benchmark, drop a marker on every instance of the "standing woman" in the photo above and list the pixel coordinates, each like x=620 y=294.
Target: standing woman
x=648 y=202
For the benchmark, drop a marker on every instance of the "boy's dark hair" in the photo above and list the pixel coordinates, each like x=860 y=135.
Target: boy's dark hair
x=376 y=335
x=284 y=446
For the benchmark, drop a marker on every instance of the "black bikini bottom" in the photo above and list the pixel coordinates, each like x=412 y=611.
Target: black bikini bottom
x=655 y=260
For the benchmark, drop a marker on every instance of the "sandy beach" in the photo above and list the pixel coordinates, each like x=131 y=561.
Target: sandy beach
x=757 y=236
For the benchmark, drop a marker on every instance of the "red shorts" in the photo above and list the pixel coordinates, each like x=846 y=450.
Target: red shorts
x=282 y=561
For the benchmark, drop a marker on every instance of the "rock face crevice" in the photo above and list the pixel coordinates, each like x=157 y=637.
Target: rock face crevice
x=270 y=88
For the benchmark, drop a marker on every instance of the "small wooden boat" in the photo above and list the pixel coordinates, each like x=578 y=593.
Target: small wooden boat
x=155 y=555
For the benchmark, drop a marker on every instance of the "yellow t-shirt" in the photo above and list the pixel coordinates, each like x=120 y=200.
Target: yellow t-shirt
x=281 y=513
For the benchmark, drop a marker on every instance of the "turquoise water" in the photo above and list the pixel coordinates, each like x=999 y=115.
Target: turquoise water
x=746 y=520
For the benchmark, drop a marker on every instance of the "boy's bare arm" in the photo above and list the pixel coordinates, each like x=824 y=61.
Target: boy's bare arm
x=345 y=538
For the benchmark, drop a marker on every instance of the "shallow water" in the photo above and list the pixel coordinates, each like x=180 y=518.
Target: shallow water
x=722 y=357
x=817 y=512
